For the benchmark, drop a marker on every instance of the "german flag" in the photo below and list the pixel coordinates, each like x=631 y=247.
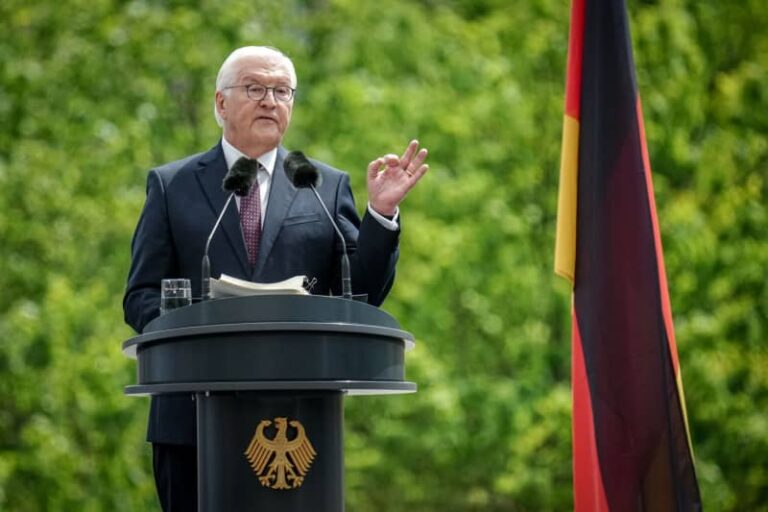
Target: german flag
x=631 y=445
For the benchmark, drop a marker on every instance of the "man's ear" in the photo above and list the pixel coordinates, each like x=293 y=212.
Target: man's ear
x=220 y=104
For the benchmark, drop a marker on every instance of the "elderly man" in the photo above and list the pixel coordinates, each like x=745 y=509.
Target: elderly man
x=273 y=233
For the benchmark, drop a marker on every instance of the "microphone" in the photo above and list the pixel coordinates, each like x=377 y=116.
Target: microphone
x=303 y=174
x=238 y=181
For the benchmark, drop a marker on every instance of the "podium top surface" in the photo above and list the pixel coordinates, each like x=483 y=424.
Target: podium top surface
x=267 y=343
x=270 y=313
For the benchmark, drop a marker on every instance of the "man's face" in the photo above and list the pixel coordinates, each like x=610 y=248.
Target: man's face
x=255 y=127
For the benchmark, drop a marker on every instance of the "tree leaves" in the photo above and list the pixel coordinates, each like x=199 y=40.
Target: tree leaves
x=93 y=94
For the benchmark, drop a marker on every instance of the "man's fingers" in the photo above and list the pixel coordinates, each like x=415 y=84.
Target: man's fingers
x=417 y=162
x=391 y=161
x=390 y=164
x=410 y=164
x=418 y=173
x=374 y=167
x=409 y=152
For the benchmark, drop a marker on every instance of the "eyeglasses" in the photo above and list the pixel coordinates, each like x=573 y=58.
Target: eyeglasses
x=258 y=92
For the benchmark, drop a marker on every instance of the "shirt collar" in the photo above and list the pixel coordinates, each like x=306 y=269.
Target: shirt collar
x=232 y=155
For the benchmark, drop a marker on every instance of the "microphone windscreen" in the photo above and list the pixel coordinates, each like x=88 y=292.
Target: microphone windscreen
x=241 y=176
x=300 y=171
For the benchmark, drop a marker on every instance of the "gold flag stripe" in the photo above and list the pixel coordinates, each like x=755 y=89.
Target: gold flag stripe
x=679 y=382
x=565 y=241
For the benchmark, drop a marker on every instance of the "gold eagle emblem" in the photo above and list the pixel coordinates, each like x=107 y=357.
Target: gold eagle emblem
x=278 y=462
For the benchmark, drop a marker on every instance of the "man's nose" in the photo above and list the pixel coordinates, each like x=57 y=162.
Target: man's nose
x=269 y=98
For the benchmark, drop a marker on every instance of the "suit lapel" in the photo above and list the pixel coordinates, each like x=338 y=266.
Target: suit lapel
x=281 y=195
x=211 y=172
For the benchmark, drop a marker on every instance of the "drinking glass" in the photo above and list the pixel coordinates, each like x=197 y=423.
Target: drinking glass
x=174 y=293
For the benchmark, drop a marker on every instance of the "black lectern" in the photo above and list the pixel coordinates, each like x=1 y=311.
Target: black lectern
x=268 y=374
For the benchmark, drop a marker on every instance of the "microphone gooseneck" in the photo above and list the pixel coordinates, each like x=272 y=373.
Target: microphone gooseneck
x=205 y=284
x=303 y=174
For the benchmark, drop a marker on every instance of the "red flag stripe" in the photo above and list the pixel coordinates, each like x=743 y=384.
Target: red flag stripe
x=575 y=55
x=588 y=490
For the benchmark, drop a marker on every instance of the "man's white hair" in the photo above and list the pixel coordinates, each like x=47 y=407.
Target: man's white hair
x=228 y=71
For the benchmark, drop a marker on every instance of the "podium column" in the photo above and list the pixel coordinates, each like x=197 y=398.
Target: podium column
x=226 y=426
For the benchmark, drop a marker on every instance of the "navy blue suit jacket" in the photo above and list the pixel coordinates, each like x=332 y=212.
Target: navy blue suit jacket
x=184 y=198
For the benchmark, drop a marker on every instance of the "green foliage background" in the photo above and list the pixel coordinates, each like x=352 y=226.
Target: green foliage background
x=93 y=93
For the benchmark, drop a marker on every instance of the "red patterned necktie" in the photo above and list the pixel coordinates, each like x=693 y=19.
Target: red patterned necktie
x=250 y=218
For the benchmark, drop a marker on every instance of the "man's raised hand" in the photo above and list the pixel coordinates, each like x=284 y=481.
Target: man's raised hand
x=391 y=177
